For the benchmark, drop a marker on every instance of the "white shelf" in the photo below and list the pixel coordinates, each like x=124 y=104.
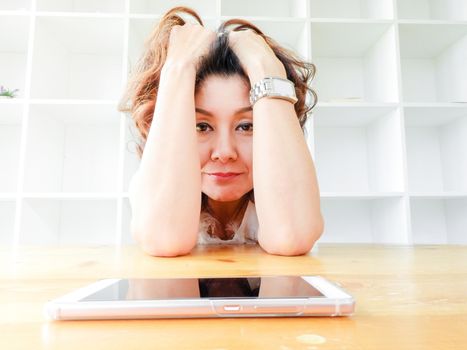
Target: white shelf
x=17 y=5
x=438 y=195
x=264 y=8
x=77 y=58
x=13 y=52
x=436 y=141
x=434 y=70
x=290 y=34
x=7 y=221
x=375 y=9
x=10 y=138
x=104 y=6
x=381 y=220
x=70 y=195
x=355 y=61
x=72 y=148
x=358 y=149
x=359 y=195
x=388 y=136
x=433 y=9
x=203 y=8
x=439 y=221
x=65 y=222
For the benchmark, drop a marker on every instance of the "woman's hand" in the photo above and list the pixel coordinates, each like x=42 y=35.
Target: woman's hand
x=188 y=43
x=256 y=56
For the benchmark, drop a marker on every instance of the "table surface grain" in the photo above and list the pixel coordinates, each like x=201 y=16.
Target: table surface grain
x=407 y=298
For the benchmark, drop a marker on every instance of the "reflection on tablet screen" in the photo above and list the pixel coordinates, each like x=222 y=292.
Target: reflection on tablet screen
x=182 y=288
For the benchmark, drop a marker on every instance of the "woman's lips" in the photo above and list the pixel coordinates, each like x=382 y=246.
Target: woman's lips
x=224 y=176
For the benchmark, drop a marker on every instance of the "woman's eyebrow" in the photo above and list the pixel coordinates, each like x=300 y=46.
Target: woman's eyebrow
x=241 y=110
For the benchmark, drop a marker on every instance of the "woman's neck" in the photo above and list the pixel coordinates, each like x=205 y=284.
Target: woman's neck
x=227 y=211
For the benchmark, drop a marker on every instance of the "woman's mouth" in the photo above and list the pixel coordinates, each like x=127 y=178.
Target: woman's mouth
x=224 y=176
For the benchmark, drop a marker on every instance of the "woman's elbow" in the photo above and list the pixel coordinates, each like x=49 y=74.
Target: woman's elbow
x=158 y=248
x=160 y=253
x=294 y=242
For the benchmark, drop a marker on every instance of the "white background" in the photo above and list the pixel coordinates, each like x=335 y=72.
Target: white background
x=389 y=135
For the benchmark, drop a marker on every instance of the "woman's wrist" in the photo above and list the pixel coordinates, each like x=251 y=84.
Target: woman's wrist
x=179 y=66
x=264 y=69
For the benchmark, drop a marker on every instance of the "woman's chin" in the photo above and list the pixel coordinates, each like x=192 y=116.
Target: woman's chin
x=220 y=197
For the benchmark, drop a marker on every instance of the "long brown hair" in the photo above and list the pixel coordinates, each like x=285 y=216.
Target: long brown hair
x=140 y=95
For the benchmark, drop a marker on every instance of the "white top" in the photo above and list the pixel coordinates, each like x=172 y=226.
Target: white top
x=246 y=233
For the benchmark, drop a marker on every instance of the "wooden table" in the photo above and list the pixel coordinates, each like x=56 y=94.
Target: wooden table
x=407 y=298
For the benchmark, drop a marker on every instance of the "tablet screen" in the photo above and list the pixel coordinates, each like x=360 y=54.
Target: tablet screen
x=182 y=288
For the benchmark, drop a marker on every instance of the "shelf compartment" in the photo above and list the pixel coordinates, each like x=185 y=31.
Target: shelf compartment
x=432 y=9
x=13 y=52
x=203 y=8
x=380 y=220
x=439 y=221
x=140 y=30
x=10 y=141
x=104 y=6
x=7 y=222
x=64 y=222
x=264 y=8
x=358 y=149
x=72 y=148
x=289 y=34
x=374 y=9
x=433 y=62
x=77 y=58
x=131 y=159
x=17 y=5
x=355 y=62
x=436 y=140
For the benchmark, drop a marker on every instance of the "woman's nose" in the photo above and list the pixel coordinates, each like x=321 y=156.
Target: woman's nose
x=224 y=149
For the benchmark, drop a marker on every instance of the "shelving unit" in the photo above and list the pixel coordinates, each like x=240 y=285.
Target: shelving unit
x=72 y=148
x=264 y=8
x=433 y=62
x=436 y=149
x=65 y=61
x=10 y=134
x=362 y=220
x=389 y=134
x=13 y=52
x=52 y=221
x=356 y=61
x=100 y=6
x=361 y=9
x=359 y=149
x=206 y=8
x=433 y=9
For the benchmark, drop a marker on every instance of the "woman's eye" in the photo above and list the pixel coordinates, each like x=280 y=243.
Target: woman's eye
x=248 y=126
x=201 y=127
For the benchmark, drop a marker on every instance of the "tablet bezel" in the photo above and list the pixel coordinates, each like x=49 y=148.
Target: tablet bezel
x=335 y=302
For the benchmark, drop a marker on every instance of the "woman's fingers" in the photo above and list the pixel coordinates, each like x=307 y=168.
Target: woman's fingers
x=189 y=42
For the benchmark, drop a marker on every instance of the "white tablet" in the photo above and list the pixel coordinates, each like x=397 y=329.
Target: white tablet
x=256 y=296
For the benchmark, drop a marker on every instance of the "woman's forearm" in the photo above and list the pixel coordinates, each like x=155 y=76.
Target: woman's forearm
x=166 y=194
x=286 y=188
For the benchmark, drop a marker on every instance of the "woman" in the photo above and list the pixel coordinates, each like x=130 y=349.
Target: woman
x=190 y=101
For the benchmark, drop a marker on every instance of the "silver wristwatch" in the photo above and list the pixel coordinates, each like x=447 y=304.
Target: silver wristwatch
x=274 y=88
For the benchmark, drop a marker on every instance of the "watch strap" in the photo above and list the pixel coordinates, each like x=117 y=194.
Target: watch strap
x=273 y=87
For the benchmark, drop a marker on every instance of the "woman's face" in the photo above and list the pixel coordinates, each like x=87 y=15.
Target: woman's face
x=224 y=123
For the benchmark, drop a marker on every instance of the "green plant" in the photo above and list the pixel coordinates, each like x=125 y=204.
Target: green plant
x=7 y=93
